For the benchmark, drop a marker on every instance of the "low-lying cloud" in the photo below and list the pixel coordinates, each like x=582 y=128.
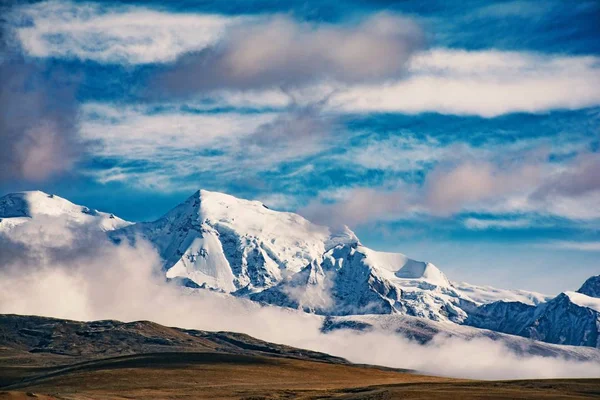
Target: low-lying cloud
x=97 y=279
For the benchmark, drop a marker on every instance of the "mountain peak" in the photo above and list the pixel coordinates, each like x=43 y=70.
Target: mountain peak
x=591 y=287
x=232 y=244
x=21 y=206
x=209 y=203
x=253 y=215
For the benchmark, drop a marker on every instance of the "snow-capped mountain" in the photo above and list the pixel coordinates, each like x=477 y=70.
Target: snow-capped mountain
x=22 y=207
x=225 y=243
x=489 y=294
x=341 y=282
x=242 y=247
x=570 y=318
x=352 y=279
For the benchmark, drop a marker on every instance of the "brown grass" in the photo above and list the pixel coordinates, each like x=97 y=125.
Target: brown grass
x=204 y=375
x=234 y=376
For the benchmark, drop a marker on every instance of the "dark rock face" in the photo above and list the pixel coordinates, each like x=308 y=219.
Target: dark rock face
x=502 y=316
x=559 y=321
x=591 y=287
x=14 y=205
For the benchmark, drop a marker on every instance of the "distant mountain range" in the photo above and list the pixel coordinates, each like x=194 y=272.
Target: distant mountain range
x=214 y=241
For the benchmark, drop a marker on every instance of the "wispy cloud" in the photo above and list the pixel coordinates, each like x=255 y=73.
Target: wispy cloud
x=487 y=223
x=160 y=150
x=573 y=245
x=112 y=34
x=174 y=149
x=141 y=132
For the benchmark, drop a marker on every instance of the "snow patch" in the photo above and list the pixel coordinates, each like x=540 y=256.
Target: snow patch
x=583 y=300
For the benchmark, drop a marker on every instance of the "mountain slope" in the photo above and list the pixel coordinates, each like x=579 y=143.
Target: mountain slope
x=352 y=279
x=570 y=318
x=341 y=282
x=591 y=287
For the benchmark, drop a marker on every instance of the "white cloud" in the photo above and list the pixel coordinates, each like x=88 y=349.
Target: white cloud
x=138 y=132
x=271 y=47
x=274 y=50
x=484 y=83
x=483 y=223
x=130 y=35
x=487 y=83
x=162 y=150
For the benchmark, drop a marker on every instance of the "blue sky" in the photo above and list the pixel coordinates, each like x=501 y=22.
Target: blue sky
x=462 y=133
